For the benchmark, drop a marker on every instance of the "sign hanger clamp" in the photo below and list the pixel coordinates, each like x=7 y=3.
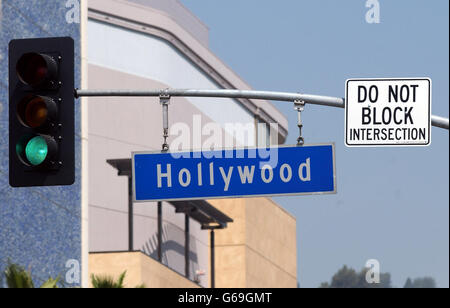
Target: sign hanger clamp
x=164 y=99
x=300 y=107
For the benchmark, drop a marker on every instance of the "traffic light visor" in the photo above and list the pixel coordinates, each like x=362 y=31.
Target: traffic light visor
x=34 y=69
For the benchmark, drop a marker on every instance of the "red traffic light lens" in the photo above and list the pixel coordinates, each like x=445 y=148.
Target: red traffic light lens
x=36 y=111
x=34 y=69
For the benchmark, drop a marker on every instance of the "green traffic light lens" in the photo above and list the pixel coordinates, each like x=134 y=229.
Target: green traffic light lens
x=36 y=150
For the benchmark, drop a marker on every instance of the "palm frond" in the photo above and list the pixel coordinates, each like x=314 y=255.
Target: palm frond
x=18 y=278
x=107 y=282
x=121 y=279
x=50 y=284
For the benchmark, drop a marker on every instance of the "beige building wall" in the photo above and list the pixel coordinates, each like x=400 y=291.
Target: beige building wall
x=259 y=249
x=117 y=127
x=140 y=270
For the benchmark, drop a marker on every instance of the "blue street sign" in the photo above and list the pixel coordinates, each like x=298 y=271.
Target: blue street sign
x=278 y=171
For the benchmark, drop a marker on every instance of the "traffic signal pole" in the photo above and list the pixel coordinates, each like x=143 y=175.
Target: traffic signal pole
x=328 y=101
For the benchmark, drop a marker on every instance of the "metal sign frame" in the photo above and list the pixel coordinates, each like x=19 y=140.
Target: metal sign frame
x=334 y=191
x=389 y=144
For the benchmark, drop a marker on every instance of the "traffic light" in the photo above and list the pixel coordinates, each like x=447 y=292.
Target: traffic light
x=41 y=112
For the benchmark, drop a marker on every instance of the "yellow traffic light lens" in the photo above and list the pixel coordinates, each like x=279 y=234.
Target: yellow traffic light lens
x=36 y=111
x=36 y=150
x=34 y=69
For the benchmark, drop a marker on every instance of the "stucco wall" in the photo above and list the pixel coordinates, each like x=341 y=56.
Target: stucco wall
x=117 y=127
x=140 y=270
x=40 y=228
x=122 y=57
x=259 y=249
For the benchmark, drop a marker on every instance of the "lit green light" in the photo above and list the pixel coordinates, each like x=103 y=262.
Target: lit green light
x=36 y=150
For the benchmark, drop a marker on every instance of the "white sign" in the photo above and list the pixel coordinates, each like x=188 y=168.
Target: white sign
x=388 y=112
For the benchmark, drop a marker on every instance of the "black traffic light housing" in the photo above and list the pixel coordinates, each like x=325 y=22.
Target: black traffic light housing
x=41 y=112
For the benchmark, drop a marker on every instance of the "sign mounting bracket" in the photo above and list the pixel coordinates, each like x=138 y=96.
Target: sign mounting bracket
x=164 y=99
x=300 y=107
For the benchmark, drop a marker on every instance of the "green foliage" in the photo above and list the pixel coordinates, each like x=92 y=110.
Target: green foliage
x=420 y=283
x=349 y=278
x=408 y=284
x=108 y=282
x=50 y=284
x=17 y=277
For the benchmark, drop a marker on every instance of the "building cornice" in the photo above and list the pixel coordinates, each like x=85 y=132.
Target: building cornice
x=153 y=22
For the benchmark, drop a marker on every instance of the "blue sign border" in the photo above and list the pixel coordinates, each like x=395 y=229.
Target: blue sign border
x=334 y=191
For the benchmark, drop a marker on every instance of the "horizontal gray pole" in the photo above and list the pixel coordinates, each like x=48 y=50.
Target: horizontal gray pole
x=276 y=96
x=439 y=122
x=266 y=95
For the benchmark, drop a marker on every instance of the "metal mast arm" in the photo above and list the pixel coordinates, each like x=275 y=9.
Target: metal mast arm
x=266 y=95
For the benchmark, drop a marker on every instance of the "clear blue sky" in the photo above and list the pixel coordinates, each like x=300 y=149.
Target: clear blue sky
x=392 y=203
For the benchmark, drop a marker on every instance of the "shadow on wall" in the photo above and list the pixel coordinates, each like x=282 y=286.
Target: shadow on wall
x=173 y=250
